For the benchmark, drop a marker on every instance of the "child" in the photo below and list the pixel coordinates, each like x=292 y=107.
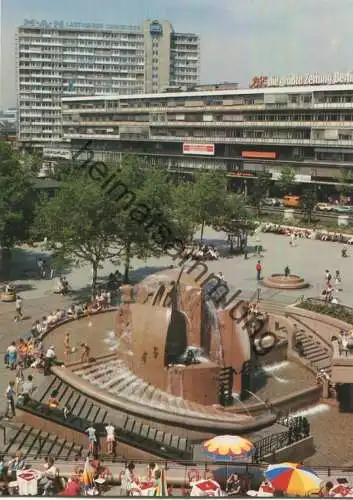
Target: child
x=67 y=347
x=19 y=377
x=85 y=352
x=67 y=412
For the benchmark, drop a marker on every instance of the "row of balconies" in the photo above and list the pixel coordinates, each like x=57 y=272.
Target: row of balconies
x=245 y=124
x=187 y=108
x=221 y=140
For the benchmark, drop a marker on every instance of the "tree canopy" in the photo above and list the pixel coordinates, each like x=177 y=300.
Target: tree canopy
x=260 y=190
x=16 y=197
x=286 y=180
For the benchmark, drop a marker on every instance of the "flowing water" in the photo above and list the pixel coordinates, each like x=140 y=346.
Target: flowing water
x=212 y=312
x=311 y=411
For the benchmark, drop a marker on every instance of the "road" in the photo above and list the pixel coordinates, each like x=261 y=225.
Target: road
x=317 y=215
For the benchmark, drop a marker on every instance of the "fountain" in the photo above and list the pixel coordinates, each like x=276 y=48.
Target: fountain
x=285 y=282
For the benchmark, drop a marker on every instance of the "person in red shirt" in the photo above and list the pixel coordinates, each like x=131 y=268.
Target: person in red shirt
x=258 y=270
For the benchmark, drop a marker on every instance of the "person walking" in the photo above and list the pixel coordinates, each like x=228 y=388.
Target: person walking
x=19 y=314
x=110 y=430
x=10 y=399
x=258 y=270
x=338 y=281
x=92 y=439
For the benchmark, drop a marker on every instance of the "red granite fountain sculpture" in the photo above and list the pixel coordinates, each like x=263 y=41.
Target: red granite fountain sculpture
x=171 y=315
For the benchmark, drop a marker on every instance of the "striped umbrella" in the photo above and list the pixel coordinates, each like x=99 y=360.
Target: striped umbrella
x=294 y=479
x=162 y=487
x=228 y=448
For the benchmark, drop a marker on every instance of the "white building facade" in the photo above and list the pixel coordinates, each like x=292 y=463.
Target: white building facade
x=239 y=132
x=58 y=59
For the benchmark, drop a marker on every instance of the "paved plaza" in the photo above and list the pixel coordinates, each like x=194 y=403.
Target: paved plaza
x=308 y=259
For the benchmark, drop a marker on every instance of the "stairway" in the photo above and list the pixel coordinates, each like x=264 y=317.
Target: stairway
x=35 y=443
x=86 y=411
x=318 y=355
x=117 y=379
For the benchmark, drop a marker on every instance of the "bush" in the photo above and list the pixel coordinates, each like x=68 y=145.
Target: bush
x=338 y=311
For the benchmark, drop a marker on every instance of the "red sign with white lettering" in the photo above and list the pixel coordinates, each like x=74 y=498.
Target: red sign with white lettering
x=198 y=149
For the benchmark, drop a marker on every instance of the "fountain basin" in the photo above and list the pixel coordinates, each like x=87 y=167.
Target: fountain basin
x=283 y=282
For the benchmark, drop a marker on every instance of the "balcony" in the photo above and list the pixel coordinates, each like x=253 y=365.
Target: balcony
x=91 y=136
x=250 y=140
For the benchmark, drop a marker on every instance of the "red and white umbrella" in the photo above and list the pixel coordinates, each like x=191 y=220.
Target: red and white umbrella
x=206 y=488
x=340 y=491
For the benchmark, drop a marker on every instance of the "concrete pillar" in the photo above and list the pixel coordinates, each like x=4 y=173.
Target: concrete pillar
x=325 y=389
x=288 y=214
x=343 y=220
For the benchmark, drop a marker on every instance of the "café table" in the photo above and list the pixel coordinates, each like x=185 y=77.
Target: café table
x=28 y=482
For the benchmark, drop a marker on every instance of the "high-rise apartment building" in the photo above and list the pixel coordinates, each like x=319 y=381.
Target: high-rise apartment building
x=61 y=59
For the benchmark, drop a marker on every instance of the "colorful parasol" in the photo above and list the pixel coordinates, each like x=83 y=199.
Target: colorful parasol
x=162 y=487
x=228 y=448
x=294 y=479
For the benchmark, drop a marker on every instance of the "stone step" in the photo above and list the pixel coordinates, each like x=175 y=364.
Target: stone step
x=318 y=357
x=42 y=392
x=315 y=350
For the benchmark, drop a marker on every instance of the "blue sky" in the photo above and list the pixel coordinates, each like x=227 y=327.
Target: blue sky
x=239 y=38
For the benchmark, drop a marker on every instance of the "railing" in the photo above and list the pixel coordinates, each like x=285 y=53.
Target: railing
x=298 y=429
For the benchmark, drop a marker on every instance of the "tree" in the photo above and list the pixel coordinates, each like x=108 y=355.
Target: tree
x=346 y=182
x=260 y=190
x=235 y=220
x=79 y=224
x=286 y=180
x=16 y=199
x=308 y=201
x=110 y=212
x=208 y=192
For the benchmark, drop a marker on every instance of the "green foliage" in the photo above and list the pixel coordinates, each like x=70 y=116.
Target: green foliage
x=132 y=216
x=346 y=182
x=308 y=201
x=286 y=180
x=78 y=224
x=260 y=190
x=16 y=197
x=234 y=214
x=337 y=311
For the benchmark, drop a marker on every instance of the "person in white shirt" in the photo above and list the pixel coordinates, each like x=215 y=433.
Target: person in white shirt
x=50 y=352
x=110 y=430
x=49 y=359
x=92 y=439
x=19 y=314
x=10 y=397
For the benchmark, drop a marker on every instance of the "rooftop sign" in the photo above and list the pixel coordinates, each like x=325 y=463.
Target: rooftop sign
x=156 y=28
x=301 y=80
x=34 y=23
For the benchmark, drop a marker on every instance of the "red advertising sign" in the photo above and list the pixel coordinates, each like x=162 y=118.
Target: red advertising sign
x=198 y=149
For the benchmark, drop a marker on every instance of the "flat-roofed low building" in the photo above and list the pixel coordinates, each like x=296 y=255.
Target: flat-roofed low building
x=238 y=131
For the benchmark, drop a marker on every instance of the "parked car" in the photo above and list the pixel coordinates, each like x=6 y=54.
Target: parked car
x=343 y=209
x=271 y=202
x=324 y=207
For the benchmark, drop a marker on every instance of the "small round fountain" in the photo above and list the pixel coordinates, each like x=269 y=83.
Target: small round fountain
x=285 y=282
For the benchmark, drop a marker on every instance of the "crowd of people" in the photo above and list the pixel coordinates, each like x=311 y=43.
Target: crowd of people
x=200 y=252
x=302 y=233
x=332 y=287
x=30 y=352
